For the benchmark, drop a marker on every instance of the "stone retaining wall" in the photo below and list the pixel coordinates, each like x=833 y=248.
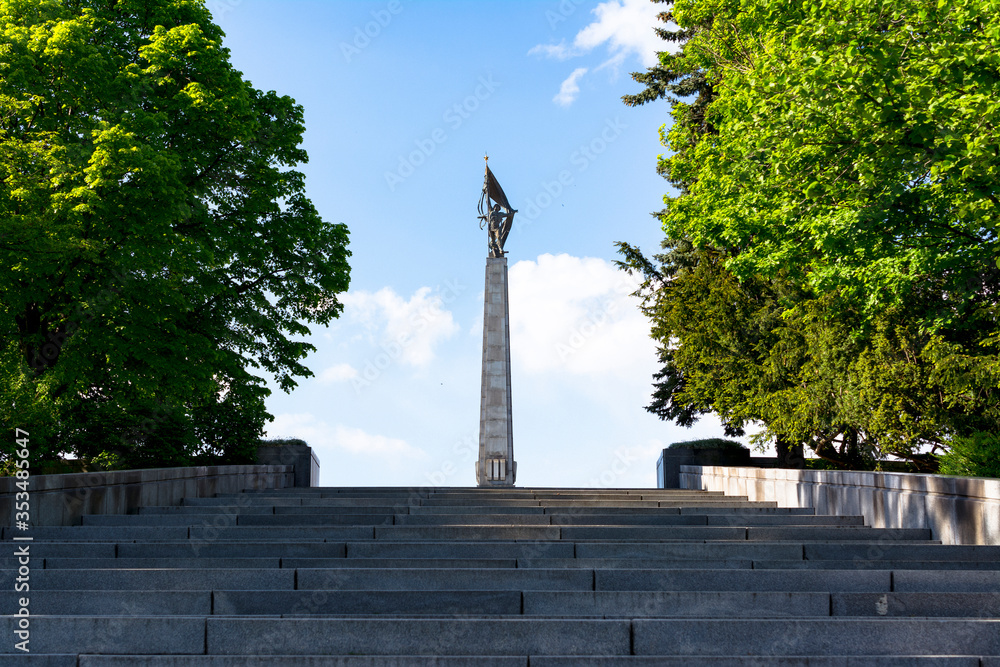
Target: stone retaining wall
x=958 y=510
x=60 y=500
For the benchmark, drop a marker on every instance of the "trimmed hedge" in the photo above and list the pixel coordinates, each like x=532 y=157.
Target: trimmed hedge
x=707 y=443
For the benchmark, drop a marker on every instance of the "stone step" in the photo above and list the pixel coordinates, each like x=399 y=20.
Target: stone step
x=775 y=533
x=126 y=634
x=256 y=636
x=219 y=530
x=163 y=563
x=720 y=501
x=237 y=532
x=248 y=510
x=521 y=661
x=209 y=562
x=737 y=549
x=99 y=533
x=317 y=548
x=603 y=510
x=719 y=508
x=238 y=510
x=290 y=563
x=817 y=637
x=367 y=602
x=888 y=550
x=743 y=580
x=65 y=549
x=948 y=581
x=665 y=604
x=159 y=580
x=971 y=604
x=489 y=494
x=765 y=604
x=876 y=564
x=448 y=580
x=555 y=533
x=617 y=533
x=837 y=636
x=293 y=502
x=572 y=519
x=563 y=604
x=529 y=578
x=633 y=563
x=157 y=510
x=232 y=549
x=743 y=661
x=725 y=502
x=239 y=520
x=663 y=550
x=105 y=602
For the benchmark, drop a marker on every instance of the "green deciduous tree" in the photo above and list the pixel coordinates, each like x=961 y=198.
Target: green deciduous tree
x=159 y=250
x=856 y=143
x=830 y=265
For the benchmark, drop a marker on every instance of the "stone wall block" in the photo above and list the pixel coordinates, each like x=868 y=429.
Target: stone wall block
x=956 y=510
x=60 y=500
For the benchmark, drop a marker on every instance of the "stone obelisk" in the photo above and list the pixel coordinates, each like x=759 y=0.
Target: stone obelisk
x=496 y=466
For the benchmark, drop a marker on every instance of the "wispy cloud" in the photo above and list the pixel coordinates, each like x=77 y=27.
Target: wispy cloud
x=625 y=27
x=569 y=89
x=558 y=51
x=415 y=325
x=337 y=373
x=358 y=441
x=339 y=438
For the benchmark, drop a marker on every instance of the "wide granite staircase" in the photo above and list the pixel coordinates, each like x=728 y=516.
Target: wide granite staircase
x=373 y=577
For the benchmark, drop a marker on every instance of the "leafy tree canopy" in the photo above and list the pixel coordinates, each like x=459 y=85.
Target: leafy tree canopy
x=829 y=267
x=857 y=145
x=161 y=253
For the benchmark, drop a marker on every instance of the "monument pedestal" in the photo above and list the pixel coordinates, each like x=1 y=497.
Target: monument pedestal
x=496 y=466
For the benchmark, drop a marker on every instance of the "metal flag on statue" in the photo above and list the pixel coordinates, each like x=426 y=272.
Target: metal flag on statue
x=495 y=213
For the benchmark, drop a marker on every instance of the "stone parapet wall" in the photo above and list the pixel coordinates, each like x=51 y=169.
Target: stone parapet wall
x=958 y=510
x=301 y=457
x=60 y=500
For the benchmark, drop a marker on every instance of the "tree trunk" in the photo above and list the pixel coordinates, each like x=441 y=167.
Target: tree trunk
x=789 y=455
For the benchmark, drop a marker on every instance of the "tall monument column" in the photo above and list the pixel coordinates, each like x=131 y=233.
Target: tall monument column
x=496 y=466
x=496 y=438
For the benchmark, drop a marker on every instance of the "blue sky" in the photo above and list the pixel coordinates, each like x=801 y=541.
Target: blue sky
x=402 y=99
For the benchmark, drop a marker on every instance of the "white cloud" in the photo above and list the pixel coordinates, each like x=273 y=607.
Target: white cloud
x=322 y=437
x=357 y=441
x=569 y=88
x=412 y=328
x=337 y=373
x=558 y=51
x=574 y=315
x=625 y=27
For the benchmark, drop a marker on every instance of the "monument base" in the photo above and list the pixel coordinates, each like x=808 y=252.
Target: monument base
x=495 y=473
